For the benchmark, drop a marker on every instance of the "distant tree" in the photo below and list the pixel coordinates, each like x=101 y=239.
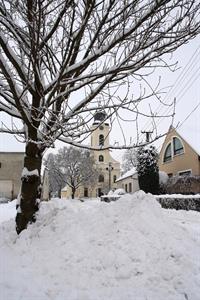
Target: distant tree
x=76 y=167
x=147 y=168
x=57 y=58
x=56 y=180
x=129 y=160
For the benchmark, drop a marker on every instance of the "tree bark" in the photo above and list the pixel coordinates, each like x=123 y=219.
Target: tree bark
x=30 y=195
x=73 y=192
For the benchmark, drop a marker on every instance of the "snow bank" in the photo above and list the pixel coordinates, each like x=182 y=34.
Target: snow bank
x=7 y=211
x=128 y=249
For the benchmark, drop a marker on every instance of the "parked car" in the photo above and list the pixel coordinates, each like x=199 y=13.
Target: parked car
x=113 y=195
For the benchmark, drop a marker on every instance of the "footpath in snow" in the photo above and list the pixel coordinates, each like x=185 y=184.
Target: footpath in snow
x=131 y=249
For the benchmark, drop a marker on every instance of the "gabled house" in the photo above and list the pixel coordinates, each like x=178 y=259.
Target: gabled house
x=180 y=153
x=128 y=181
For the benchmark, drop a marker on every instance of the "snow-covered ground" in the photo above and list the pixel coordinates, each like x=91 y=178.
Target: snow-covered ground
x=131 y=249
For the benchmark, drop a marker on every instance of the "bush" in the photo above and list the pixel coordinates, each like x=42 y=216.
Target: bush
x=186 y=185
x=147 y=168
x=180 y=203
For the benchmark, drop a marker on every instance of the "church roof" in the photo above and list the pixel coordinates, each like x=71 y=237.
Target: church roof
x=100 y=115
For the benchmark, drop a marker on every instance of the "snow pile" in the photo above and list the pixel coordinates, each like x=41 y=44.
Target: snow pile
x=128 y=249
x=7 y=211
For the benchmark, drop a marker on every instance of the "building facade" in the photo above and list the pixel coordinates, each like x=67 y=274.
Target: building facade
x=11 y=165
x=178 y=156
x=129 y=181
x=108 y=167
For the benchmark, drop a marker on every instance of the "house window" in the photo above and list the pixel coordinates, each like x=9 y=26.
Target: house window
x=101 y=140
x=130 y=187
x=101 y=158
x=101 y=178
x=177 y=146
x=114 y=178
x=185 y=173
x=126 y=187
x=168 y=153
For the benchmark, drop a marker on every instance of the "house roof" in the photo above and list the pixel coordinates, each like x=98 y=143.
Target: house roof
x=127 y=174
x=191 y=136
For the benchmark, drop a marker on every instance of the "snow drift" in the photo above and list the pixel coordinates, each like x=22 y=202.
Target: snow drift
x=128 y=249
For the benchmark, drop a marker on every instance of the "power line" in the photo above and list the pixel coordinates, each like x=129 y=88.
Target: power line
x=178 y=83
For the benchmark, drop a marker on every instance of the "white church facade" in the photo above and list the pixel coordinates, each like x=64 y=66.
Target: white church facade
x=109 y=168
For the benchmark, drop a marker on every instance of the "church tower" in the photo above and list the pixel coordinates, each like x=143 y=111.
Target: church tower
x=109 y=168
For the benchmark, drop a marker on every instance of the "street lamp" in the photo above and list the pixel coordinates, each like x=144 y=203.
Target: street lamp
x=109 y=169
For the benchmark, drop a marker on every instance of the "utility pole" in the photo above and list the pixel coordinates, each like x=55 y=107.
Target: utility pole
x=109 y=169
x=148 y=135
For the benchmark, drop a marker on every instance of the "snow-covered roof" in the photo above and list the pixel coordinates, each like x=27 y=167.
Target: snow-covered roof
x=127 y=174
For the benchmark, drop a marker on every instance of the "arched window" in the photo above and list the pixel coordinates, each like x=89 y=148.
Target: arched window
x=101 y=178
x=101 y=140
x=114 y=178
x=101 y=158
x=177 y=146
x=168 y=153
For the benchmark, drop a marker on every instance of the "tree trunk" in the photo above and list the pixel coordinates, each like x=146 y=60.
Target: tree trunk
x=73 y=192
x=29 y=197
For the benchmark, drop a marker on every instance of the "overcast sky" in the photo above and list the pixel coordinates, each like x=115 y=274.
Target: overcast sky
x=184 y=84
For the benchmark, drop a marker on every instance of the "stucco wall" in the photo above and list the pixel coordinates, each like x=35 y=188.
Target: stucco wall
x=189 y=160
x=10 y=170
x=133 y=180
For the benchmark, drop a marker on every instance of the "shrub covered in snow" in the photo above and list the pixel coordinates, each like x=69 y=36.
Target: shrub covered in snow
x=183 y=185
x=147 y=168
x=184 y=203
x=163 y=177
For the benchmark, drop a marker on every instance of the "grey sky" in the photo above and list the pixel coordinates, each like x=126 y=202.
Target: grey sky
x=187 y=93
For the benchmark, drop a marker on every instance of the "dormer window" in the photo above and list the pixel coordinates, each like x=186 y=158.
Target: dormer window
x=177 y=146
x=101 y=140
x=168 y=153
x=101 y=158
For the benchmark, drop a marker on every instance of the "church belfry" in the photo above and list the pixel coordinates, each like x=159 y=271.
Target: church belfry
x=100 y=130
x=103 y=160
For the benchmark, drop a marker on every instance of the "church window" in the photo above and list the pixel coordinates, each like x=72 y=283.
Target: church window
x=101 y=178
x=101 y=158
x=101 y=140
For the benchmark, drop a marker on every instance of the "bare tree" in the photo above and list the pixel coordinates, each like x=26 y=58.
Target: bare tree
x=76 y=167
x=56 y=180
x=129 y=159
x=58 y=56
